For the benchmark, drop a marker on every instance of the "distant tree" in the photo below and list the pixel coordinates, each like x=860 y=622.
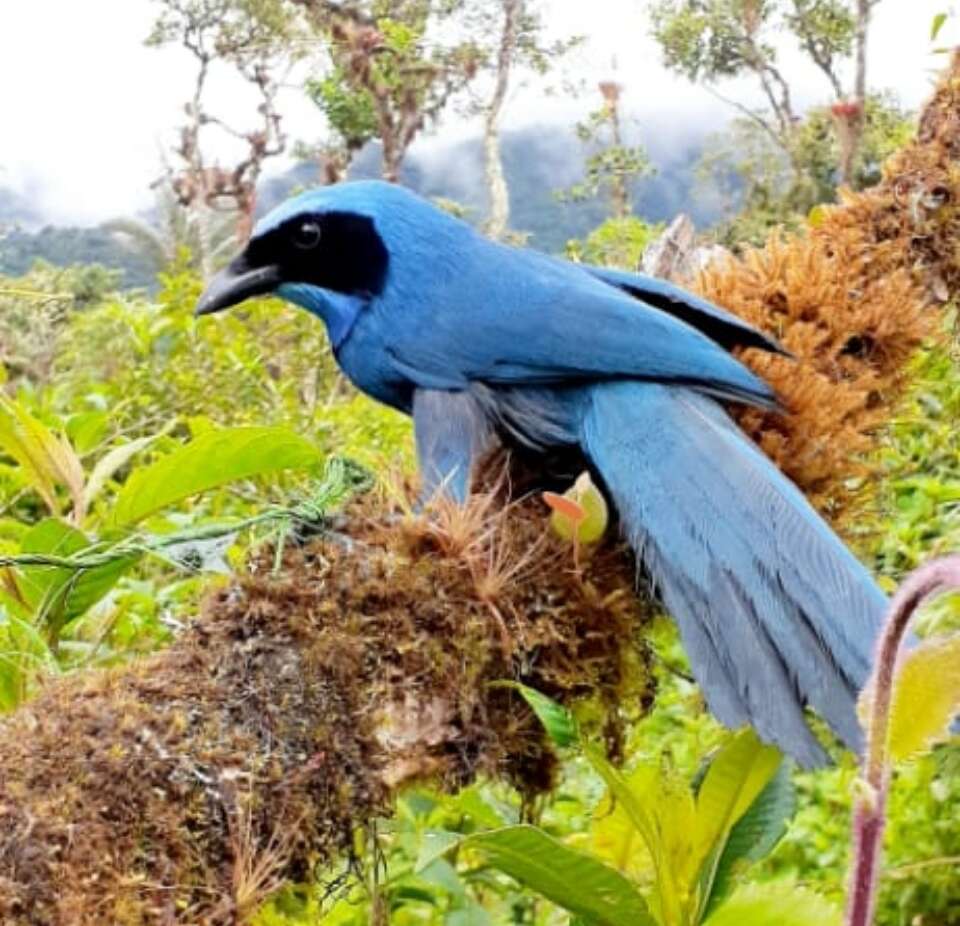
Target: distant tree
x=612 y=166
x=761 y=188
x=616 y=242
x=252 y=37
x=387 y=74
x=521 y=47
x=177 y=231
x=711 y=41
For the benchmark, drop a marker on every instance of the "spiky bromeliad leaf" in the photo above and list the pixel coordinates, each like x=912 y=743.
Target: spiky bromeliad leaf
x=213 y=459
x=590 y=890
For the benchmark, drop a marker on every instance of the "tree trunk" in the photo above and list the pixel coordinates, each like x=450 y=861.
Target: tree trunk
x=497 y=190
x=851 y=137
x=619 y=193
x=391 y=159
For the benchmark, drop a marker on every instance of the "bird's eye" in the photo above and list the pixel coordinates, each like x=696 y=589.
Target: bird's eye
x=306 y=235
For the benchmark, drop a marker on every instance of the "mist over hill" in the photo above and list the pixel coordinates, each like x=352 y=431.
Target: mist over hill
x=539 y=161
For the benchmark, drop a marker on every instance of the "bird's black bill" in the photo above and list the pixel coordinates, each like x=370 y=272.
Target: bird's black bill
x=236 y=283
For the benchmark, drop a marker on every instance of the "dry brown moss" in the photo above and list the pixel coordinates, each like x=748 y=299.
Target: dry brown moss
x=852 y=299
x=186 y=787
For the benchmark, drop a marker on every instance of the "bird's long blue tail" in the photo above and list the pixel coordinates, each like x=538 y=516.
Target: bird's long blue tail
x=774 y=611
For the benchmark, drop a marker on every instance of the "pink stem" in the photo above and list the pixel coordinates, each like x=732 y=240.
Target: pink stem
x=869 y=815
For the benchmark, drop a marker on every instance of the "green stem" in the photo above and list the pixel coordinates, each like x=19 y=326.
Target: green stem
x=142 y=544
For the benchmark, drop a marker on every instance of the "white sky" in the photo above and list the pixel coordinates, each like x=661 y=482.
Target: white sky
x=86 y=110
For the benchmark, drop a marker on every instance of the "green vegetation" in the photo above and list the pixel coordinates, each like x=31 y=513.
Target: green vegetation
x=117 y=452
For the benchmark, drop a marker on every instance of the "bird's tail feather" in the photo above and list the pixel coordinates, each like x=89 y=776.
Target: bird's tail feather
x=774 y=611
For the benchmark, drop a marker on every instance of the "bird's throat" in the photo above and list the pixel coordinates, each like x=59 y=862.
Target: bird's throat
x=338 y=310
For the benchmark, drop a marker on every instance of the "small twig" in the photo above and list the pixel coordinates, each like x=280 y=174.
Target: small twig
x=40 y=297
x=902 y=871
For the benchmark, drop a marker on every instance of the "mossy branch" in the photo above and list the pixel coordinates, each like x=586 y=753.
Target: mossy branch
x=184 y=788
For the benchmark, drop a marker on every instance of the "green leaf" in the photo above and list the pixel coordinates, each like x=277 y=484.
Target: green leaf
x=45 y=460
x=581 y=512
x=661 y=808
x=560 y=724
x=211 y=460
x=110 y=463
x=577 y=882
x=816 y=216
x=434 y=844
x=926 y=697
x=24 y=655
x=756 y=833
x=737 y=775
x=58 y=595
x=937 y=25
x=775 y=905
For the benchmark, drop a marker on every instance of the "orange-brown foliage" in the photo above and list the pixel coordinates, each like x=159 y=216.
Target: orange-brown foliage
x=852 y=299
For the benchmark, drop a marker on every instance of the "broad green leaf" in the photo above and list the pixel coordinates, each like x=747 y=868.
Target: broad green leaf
x=46 y=461
x=58 y=595
x=755 y=834
x=735 y=778
x=471 y=915
x=87 y=429
x=434 y=844
x=443 y=875
x=614 y=838
x=926 y=697
x=108 y=465
x=211 y=460
x=577 y=882
x=937 y=25
x=661 y=808
x=741 y=769
x=775 y=905
x=560 y=724
x=24 y=654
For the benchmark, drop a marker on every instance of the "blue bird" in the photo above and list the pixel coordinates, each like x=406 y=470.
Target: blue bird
x=479 y=341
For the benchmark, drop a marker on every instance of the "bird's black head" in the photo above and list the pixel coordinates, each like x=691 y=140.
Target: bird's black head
x=301 y=247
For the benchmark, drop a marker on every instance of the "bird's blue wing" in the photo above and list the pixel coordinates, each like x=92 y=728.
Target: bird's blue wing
x=717 y=324
x=520 y=318
x=774 y=611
